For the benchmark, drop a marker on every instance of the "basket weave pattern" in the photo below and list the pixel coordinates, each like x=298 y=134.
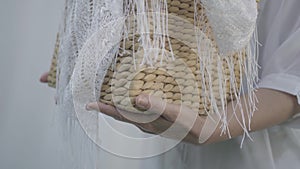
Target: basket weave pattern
x=177 y=81
x=53 y=69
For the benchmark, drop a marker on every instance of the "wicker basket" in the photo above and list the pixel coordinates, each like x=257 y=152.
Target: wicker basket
x=177 y=81
x=53 y=68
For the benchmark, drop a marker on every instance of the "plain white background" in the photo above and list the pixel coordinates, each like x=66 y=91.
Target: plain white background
x=27 y=36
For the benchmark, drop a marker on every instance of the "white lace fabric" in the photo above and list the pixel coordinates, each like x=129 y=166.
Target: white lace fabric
x=233 y=23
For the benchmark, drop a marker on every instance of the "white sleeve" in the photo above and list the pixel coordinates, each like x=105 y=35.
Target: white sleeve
x=279 y=55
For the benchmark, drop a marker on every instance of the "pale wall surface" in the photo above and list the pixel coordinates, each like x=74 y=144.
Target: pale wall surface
x=27 y=36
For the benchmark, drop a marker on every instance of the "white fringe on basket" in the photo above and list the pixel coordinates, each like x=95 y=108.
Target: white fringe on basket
x=150 y=20
x=233 y=23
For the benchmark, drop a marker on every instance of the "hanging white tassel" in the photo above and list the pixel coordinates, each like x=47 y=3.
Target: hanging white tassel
x=148 y=20
x=233 y=24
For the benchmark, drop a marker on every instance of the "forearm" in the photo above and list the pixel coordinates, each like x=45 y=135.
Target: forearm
x=273 y=107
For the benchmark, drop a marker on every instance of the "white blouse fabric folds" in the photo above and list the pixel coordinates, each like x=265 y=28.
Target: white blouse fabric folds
x=279 y=35
x=279 y=58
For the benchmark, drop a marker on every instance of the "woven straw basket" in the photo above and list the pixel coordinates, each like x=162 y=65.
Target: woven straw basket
x=176 y=81
x=53 y=68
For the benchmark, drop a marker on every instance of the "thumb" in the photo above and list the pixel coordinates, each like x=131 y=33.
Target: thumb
x=44 y=78
x=151 y=103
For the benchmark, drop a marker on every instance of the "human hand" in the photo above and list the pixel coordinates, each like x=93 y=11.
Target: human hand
x=44 y=77
x=171 y=114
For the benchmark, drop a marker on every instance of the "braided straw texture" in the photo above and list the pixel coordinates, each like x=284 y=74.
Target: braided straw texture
x=177 y=81
x=53 y=68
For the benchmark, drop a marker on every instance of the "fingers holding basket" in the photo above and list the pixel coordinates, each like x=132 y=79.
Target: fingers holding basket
x=44 y=77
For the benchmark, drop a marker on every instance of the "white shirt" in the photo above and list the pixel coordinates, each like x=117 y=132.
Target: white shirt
x=279 y=58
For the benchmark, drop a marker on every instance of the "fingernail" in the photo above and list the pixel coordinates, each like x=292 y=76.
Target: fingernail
x=142 y=101
x=89 y=107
